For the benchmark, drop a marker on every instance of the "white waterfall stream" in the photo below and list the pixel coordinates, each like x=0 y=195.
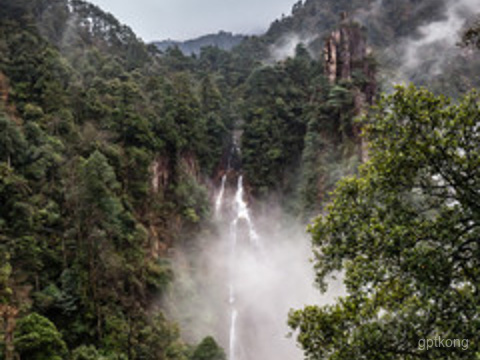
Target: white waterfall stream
x=250 y=243
x=219 y=200
x=263 y=261
x=246 y=276
x=240 y=212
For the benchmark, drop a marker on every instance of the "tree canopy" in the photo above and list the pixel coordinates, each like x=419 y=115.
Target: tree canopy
x=405 y=236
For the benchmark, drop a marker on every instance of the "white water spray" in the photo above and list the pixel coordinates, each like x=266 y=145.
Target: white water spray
x=219 y=200
x=246 y=277
x=241 y=213
x=232 y=334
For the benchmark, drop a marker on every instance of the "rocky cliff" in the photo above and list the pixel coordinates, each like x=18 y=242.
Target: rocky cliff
x=347 y=58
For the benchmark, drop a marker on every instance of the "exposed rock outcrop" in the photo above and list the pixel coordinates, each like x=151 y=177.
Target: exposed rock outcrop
x=163 y=227
x=347 y=57
x=189 y=165
x=8 y=316
x=3 y=89
x=160 y=170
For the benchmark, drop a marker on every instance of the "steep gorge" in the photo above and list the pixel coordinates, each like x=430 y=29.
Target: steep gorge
x=139 y=189
x=111 y=152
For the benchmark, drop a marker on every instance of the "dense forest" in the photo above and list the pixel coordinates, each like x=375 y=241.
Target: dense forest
x=110 y=150
x=88 y=114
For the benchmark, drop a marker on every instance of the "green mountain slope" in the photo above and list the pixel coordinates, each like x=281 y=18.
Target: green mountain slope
x=103 y=148
x=412 y=40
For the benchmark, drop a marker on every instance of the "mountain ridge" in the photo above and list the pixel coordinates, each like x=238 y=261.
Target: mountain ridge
x=222 y=40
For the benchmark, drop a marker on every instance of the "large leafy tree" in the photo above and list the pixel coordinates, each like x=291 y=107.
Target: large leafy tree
x=208 y=349
x=405 y=235
x=37 y=338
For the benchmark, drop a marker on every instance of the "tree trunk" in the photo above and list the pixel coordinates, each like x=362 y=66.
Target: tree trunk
x=9 y=315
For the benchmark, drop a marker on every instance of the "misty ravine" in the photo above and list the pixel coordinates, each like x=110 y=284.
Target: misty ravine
x=256 y=281
x=240 y=197
x=258 y=270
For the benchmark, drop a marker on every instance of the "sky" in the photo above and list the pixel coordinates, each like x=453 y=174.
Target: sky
x=187 y=19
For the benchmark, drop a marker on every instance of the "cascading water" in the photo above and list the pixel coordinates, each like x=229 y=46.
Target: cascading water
x=219 y=200
x=267 y=273
x=232 y=341
x=246 y=275
x=240 y=213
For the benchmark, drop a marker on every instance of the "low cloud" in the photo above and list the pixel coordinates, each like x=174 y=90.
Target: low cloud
x=375 y=9
x=436 y=43
x=285 y=47
x=260 y=281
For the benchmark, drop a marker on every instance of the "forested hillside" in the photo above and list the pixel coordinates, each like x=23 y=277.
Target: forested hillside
x=412 y=40
x=110 y=151
x=107 y=150
x=103 y=148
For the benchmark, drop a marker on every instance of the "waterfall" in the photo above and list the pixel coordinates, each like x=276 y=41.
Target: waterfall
x=232 y=341
x=219 y=200
x=240 y=213
x=261 y=266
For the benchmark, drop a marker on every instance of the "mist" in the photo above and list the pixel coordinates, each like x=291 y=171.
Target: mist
x=362 y=16
x=267 y=274
x=435 y=44
x=286 y=46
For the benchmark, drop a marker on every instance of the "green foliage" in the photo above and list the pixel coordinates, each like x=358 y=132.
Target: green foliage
x=5 y=273
x=274 y=127
x=404 y=232
x=12 y=144
x=331 y=147
x=299 y=135
x=84 y=111
x=195 y=206
x=217 y=118
x=208 y=349
x=37 y=338
x=89 y=113
x=91 y=353
x=85 y=353
x=160 y=340
x=99 y=184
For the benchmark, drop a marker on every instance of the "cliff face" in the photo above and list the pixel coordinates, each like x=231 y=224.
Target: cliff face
x=178 y=195
x=3 y=89
x=345 y=53
x=347 y=58
x=160 y=171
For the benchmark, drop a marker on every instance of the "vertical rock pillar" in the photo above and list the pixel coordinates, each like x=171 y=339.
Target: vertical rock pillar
x=345 y=53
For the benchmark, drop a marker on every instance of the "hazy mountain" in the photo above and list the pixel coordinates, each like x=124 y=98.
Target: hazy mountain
x=412 y=40
x=223 y=40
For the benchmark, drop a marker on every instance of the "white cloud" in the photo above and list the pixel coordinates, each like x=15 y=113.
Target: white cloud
x=437 y=42
x=286 y=46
